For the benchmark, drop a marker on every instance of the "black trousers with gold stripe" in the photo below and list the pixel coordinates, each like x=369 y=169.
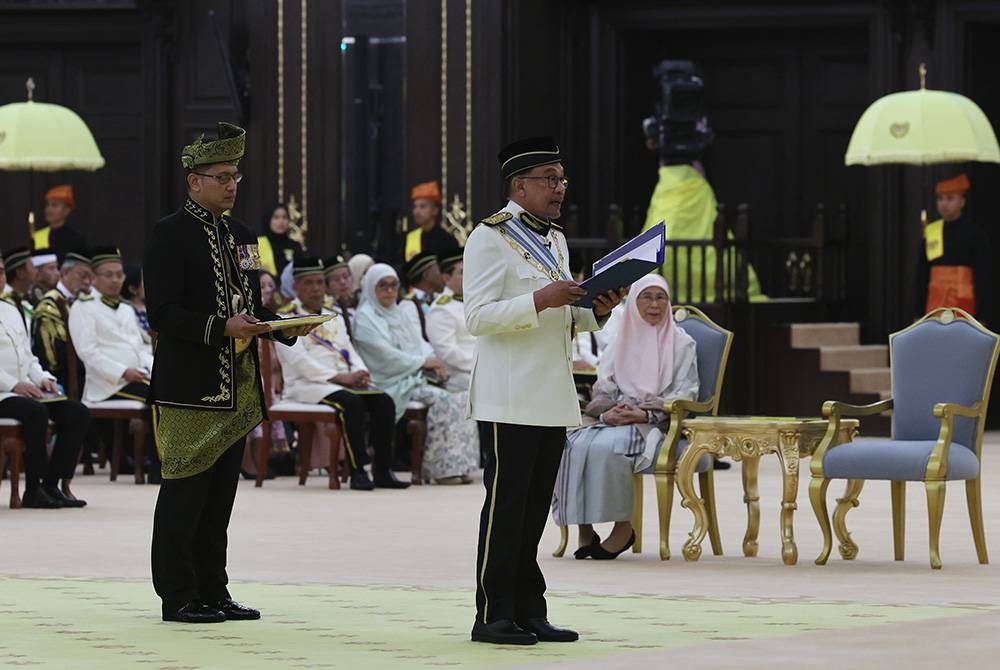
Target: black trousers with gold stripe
x=521 y=467
x=381 y=411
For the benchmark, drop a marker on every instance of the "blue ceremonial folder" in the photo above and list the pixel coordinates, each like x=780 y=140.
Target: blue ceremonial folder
x=626 y=264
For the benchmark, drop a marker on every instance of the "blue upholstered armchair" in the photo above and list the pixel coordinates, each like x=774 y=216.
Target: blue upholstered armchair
x=942 y=370
x=712 y=345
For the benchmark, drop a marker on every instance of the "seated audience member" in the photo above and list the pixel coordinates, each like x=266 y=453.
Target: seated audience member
x=46 y=273
x=423 y=275
x=275 y=244
x=49 y=327
x=270 y=296
x=400 y=361
x=134 y=294
x=107 y=338
x=358 y=265
x=650 y=361
x=324 y=367
x=446 y=329
x=20 y=273
x=340 y=289
x=30 y=395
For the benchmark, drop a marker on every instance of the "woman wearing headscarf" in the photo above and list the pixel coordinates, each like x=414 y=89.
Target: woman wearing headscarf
x=649 y=362
x=359 y=264
x=276 y=247
x=401 y=363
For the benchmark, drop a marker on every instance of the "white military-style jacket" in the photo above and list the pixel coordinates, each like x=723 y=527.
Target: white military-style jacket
x=522 y=372
x=17 y=363
x=308 y=365
x=451 y=339
x=108 y=340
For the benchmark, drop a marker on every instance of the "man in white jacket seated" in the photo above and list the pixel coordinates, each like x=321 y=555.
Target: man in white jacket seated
x=446 y=329
x=108 y=339
x=325 y=368
x=29 y=395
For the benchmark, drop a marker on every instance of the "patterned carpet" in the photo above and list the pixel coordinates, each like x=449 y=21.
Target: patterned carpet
x=87 y=623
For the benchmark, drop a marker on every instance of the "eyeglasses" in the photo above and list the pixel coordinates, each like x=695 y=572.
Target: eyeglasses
x=387 y=287
x=654 y=297
x=223 y=178
x=552 y=180
x=111 y=275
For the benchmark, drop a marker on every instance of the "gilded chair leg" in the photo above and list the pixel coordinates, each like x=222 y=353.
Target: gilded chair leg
x=563 y=541
x=637 y=513
x=706 y=485
x=751 y=498
x=848 y=548
x=973 y=496
x=817 y=496
x=898 y=518
x=935 y=510
x=664 y=504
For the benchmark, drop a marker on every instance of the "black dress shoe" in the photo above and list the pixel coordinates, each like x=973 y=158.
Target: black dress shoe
x=234 y=611
x=195 y=612
x=599 y=553
x=584 y=552
x=503 y=631
x=387 y=480
x=546 y=632
x=360 y=480
x=39 y=499
x=66 y=501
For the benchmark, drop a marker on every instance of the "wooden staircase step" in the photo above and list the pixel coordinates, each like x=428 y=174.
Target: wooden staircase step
x=854 y=356
x=816 y=335
x=870 y=380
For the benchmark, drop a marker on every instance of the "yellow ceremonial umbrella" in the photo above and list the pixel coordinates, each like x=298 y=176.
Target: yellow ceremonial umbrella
x=922 y=127
x=42 y=137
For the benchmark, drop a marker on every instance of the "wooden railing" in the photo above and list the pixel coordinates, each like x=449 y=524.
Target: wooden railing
x=733 y=266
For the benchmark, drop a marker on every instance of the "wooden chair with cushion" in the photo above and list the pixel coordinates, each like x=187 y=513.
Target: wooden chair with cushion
x=942 y=371
x=12 y=447
x=305 y=416
x=131 y=414
x=713 y=345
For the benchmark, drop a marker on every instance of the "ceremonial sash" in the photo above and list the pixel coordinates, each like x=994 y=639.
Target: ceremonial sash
x=951 y=286
x=533 y=247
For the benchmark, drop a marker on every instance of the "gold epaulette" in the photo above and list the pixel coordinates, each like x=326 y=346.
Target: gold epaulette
x=443 y=300
x=85 y=297
x=288 y=308
x=47 y=309
x=54 y=294
x=498 y=218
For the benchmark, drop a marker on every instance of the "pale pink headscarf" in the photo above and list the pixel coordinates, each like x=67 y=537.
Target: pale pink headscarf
x=641 y=357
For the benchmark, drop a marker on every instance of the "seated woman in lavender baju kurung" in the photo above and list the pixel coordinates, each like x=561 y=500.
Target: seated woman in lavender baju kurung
x=650 y=361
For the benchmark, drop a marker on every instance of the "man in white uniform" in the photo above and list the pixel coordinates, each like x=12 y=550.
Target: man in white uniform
x=324 y=367
x=518 y=303
x=446 y=329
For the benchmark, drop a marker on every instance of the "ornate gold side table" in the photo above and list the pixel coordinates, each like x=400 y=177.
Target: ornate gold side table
x=746 y=439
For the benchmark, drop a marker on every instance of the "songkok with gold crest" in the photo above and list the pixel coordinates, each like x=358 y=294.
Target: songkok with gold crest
x=448 y=262
x=63 y=192
x=227 y=148
x=101 y=255
x=959 y=184
x=332 y=264
x=307 y=266
x=416 y=266
x=428 y=190
x=15 y=258
x=522 y=155
x=76 y=256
